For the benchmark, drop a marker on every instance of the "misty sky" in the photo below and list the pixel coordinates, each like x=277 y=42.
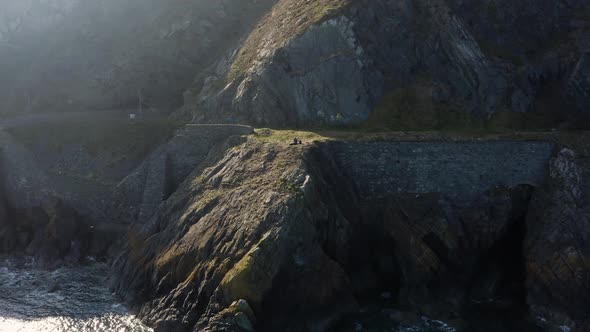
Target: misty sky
x=18 y=16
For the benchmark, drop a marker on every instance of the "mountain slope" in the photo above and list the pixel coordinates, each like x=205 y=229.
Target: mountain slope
x=334 y=65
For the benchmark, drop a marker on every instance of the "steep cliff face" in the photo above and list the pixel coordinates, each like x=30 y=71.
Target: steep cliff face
x=580 y=83
x=266 y=227
x=558 y=247
x=232 y=232
x=333 y=62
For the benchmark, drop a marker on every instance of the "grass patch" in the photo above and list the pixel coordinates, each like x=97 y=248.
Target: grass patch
x=288 y=19
x=286 y=136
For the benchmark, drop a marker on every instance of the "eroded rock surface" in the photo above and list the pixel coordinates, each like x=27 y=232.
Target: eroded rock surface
x=334 y=62
x=557 y=246
x=273 y=226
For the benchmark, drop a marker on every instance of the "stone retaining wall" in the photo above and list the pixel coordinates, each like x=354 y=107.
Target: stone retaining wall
x=460 y=170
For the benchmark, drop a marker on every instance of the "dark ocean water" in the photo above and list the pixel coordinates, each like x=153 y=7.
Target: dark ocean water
x=33 y=299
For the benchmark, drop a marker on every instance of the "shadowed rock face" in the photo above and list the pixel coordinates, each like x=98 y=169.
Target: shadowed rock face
x=557 y=247
x=580 y=83
x=315 y=62
x=55 y=234
x=244 y=225
x=473 y=57
x=70 y=190
x=264 y=228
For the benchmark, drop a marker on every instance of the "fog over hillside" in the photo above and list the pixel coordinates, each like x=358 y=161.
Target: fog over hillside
x=77 y=55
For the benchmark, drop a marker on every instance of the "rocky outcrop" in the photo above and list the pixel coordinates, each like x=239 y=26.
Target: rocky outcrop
x=557 y=248
x=263 y=228
x=244 y=225
x=55 y=233
x=580 y=84
x=337 y=66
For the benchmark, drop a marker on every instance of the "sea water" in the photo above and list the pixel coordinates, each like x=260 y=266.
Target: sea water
x=34 y=299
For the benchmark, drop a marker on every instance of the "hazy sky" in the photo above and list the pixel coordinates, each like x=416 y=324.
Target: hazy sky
x=17 y=16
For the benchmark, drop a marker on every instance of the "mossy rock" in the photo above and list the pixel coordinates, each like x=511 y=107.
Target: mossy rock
x=252 y=276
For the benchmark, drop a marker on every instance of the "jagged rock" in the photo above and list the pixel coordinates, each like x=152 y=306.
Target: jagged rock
x=557 y=247
x=580 y=84
x=439 y=244
x=237 y=317
x=55 y=232
x=278 y=226
x=261 y=249
x=443 y=56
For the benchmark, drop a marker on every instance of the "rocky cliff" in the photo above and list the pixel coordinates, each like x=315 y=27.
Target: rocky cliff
x=223 y=230
x=266 y=227
x=557 y=249
x=427 y=63
x=335 y=62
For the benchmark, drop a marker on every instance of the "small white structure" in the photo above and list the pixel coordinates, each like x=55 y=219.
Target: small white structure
x=132 y=116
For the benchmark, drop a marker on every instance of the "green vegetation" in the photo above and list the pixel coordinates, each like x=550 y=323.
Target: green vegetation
x=288 y=19
x=412 y=109
x=287 y=135
x=245 y=280
x=239 y=283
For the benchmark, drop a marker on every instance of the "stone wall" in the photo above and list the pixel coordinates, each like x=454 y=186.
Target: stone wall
x=30 y=182
x=139 y=194
x=460 y=170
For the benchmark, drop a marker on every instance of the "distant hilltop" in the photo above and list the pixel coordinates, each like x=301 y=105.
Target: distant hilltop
x=391 y=64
